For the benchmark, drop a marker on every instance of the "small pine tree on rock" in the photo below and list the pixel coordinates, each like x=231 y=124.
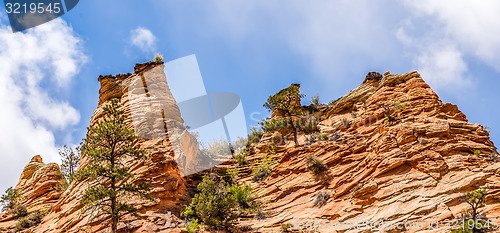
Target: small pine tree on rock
x=108 y=143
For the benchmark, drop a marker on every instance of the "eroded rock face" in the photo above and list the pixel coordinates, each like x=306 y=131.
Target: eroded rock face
x=161 y=170
x=39 y=184
x=395 y=153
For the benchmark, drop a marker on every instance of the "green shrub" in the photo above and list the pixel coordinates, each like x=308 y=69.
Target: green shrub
x=240 y=143
x=158 y=58
x=323 y=137
x=264 y=169
x=19 y=211
x=345 y=122
x=216 y=202
x=243 y=195
x=33 y=219
x=398 y=106
x=315 y=165
x=285 y=227
x=216 y=149
x=315 y=100
x=321 y=198
x=192 y=227
x=309 y=126
x=255 y=135
x=188 y=211
x=229 y=175
x=241 y=156
x=275 y=124
x=271 y=149
x=213 y=203
x=477 y=152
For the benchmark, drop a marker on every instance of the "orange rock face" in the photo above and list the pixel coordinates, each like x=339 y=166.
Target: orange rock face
x=395 y=154
x=39 y=183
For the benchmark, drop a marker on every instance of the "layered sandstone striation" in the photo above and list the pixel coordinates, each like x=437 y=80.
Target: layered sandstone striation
x=395 y=153
x=39 y=187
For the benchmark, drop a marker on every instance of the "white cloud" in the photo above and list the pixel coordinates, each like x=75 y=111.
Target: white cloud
x=143 y=39
x=475 y=25
x=33 y=64
x=441 y=33
x=443 y=67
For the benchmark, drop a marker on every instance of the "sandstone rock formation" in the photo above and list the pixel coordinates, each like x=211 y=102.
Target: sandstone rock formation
x=38 y=186
x=394 y=151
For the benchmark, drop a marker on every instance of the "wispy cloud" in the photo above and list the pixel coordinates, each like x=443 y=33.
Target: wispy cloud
x=143 y=39
x=441 y=34
x=34 y=65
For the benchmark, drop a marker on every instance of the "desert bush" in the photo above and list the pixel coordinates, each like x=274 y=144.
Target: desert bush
x=398 y=106
x=315 y=100
x=255 y=135
x=33 y=219
x=269 y=125
x=285 y=227
x=19 y=211
x=241 y=156
x=213 y=203
x=477 y=153
x=264 y=169
x=216 y=149
x=192 y=227
x=217 y=201
x=345 y=122
x=322 y=137
x=229 y=175
x=321 y=198
x=158 y=58
x=243 y=195
x=309 y=126
x=240 y=143
x=315 y=165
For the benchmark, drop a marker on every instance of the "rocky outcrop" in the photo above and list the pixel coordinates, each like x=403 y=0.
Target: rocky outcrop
x=39 y=184
x=168 y=186
x=39 y=187
x=395 y=153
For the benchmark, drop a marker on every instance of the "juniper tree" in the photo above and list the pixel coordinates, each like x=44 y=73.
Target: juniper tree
x=287 y=101
x=109 y=141
x=475 y=199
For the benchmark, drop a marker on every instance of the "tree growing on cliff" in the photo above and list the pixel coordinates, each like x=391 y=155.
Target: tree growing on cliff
x=288 y=102
x=8 y=200
x=70 y=159
x=109 y=141
x=472 y=222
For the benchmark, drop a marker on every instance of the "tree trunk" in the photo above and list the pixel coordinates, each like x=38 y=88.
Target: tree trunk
x=114 y=215
x=474 y=217
x=295 y=133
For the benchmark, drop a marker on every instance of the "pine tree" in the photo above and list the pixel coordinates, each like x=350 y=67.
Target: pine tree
x=108 y=142
x=288 y=101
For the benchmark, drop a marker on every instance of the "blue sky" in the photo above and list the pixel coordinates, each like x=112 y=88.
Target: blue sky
x=49 y=88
